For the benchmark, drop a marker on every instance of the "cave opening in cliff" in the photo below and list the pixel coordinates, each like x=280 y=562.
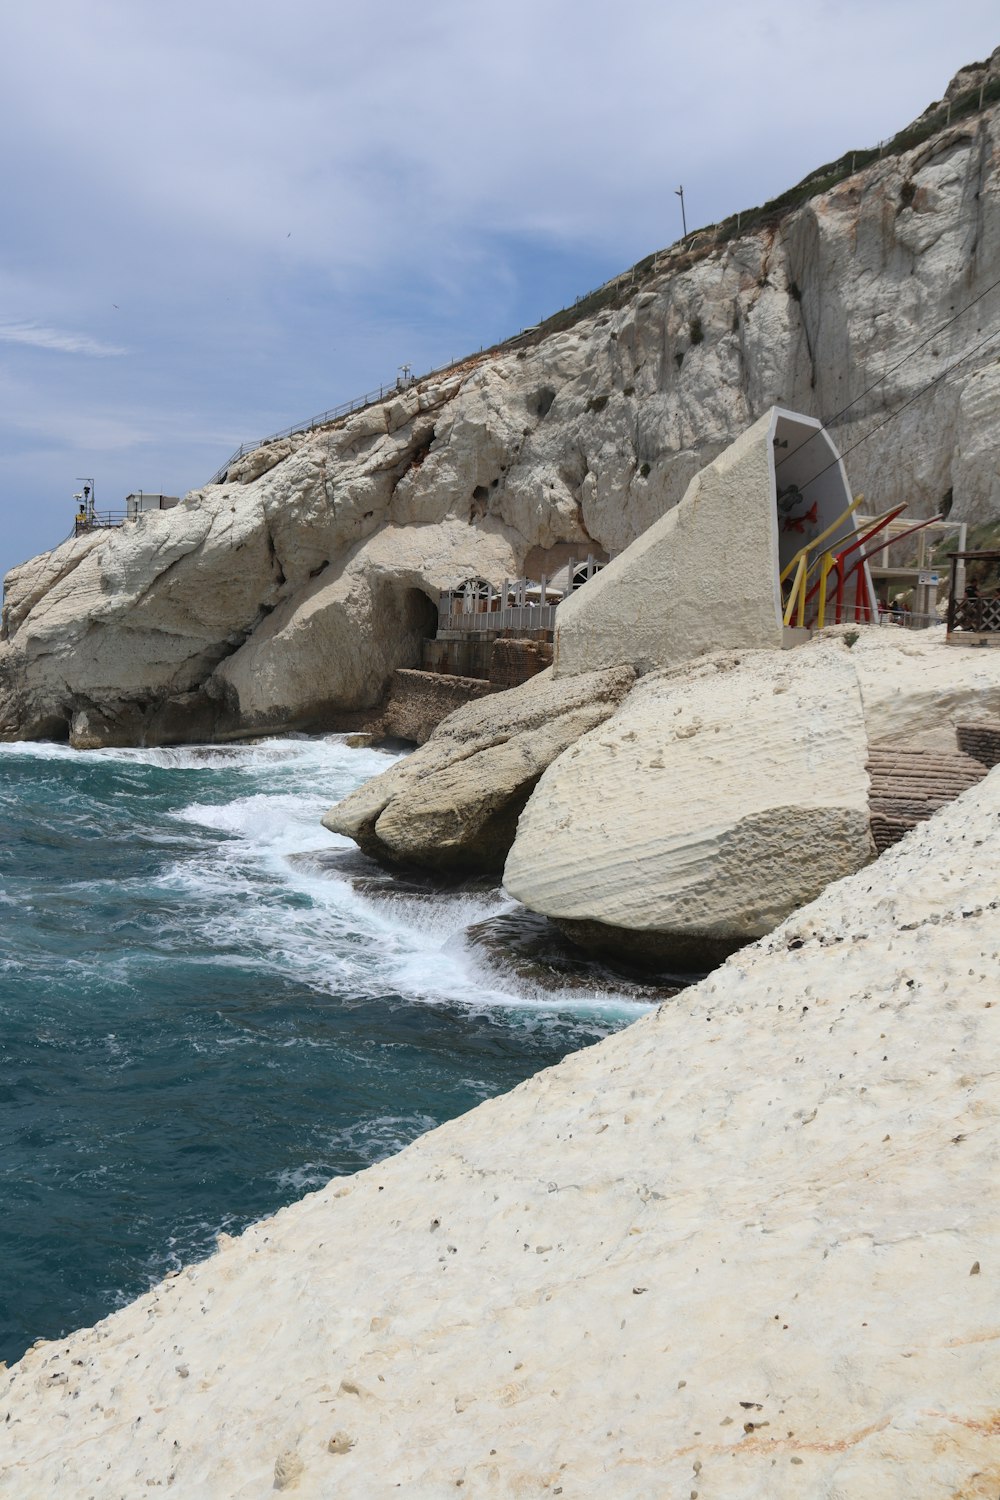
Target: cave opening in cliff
x=418 y=621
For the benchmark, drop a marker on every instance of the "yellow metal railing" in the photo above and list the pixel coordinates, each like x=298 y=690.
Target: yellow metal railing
x=825 y=568
x=801 y=567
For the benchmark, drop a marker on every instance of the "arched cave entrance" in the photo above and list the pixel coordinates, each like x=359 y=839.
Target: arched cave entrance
x=417 y=623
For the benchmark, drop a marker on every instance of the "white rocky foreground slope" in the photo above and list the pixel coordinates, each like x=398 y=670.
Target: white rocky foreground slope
x=288 y=595
x=747 y=1249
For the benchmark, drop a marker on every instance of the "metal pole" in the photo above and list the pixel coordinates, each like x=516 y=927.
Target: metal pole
x=679 y=193
x=960 y=570
x=89 y=495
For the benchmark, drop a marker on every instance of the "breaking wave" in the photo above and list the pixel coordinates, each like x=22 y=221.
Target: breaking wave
x=209 y=1005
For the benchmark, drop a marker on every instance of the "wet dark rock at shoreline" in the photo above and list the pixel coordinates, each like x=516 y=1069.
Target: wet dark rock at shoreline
x=530 y=947
x=516 y=944
x=371 y=879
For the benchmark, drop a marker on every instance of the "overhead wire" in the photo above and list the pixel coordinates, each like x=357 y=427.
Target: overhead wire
x=829 y=421
x=893 y=414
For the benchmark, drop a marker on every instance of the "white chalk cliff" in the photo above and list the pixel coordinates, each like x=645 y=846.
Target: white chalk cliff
x=288 y=594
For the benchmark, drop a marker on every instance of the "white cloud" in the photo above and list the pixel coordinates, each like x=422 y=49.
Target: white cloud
x=38 y=337
x=310 y=138
x=274 y=207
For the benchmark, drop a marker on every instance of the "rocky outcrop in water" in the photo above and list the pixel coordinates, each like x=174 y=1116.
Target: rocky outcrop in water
x=700 y=806
x=723 y=796
x=453 y=805
x=288 y=594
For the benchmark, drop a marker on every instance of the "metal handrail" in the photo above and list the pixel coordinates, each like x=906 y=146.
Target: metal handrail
x=345 y=409
x=802 y=567
x=831 y=562
x=505 y=617
x=99 y=520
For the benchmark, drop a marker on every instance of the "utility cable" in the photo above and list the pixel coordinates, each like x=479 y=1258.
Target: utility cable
x=893 y=414
x=891 y=371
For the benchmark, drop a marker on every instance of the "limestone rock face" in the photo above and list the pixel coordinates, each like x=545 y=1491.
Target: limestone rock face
x=339 y=637
x=284 y=595
x=723 y=795
x=714 y=803
x=453 y=805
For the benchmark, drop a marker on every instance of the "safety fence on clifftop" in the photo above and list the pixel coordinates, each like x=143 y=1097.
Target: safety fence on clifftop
x=345 y=409
x=99 y=520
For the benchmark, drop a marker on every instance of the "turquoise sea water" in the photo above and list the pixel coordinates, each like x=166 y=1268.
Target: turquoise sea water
x=204 y=1012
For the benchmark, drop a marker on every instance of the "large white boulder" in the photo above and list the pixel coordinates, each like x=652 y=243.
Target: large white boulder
x=452 y=806
x=715 y=802
x=723 y=795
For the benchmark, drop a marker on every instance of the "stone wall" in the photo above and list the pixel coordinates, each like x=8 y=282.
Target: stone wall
x=420 y=700
x=514 y=661
x=981 y=740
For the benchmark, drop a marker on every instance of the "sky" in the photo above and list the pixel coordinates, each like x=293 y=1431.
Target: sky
x=220 y=218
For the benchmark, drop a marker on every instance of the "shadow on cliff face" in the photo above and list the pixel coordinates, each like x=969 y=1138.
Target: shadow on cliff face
x=416 y=612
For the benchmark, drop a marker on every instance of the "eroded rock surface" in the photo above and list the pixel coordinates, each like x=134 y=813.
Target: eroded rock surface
x=289 y=594
x=715 y=802
x=453 y=804
x=723 y=795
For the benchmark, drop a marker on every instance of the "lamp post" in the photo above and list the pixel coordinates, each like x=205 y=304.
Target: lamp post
x=679 y=193
x=88 y=496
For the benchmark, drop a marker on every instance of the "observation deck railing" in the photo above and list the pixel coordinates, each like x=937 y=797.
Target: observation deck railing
x=478 y=607
x=99 y=520
x=977 y=611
